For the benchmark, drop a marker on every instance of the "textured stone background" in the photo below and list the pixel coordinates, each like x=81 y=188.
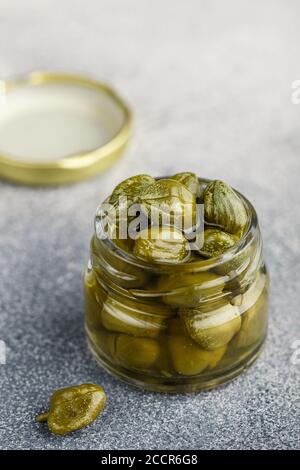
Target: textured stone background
x=210 y=86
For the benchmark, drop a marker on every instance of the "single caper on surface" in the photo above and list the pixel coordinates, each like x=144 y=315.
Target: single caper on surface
x=162 y=245
x=214 y=329
x=188 y=289
x=73 y=408
x=223 y=207
x=133 y=317
x=217 y=242
x=138 y=353
x=168 y=202
x=187 y=356
x=191 y=181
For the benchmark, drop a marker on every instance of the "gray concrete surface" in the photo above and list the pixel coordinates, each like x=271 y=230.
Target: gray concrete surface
x=210 y=86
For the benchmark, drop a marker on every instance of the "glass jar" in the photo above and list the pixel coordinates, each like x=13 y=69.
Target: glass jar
x=178 y=328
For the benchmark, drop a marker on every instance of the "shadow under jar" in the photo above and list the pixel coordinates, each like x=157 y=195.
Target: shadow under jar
x=177 y=328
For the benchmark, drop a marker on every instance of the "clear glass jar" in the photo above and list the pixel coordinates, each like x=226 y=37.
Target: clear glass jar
x=178 y=328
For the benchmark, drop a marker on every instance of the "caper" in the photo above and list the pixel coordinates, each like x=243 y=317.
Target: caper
x=161 y=245
x=188 y=289
x=137 y=353
x=191 y=181
x=168 y=202
x=212 y=330
x=122 y=198
x=217 y=242
x=131 y=188
x=73 y=408
x=119 y=270
x=95 y=297
x=254 y=324
x=223 y=207
x=133 y=317
x=253 y=308
x=187 y=356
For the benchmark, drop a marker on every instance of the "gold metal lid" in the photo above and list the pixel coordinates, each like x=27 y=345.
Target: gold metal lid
x=58 y=128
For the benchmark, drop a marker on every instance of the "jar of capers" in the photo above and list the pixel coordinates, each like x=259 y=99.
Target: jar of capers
x=170 y=311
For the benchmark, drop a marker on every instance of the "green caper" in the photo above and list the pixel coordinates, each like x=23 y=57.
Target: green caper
x=217 y=242
x=223 y=207
x=104 y=341
x=191 y=181
x=212 y=330
x=168 y=202
x=187 y=356
x=120 y=271
x=95 y=297
x=131 y=188
x=136 y=353
x=254 y=308
x=161 y=245
x=133 y=317
x=73 y=408
x=122 y=198
x=188 y=289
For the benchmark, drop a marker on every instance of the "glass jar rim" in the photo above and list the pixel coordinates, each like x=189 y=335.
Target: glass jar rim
x=201 y=264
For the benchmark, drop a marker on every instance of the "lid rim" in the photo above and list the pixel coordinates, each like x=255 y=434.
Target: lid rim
x=76 y=166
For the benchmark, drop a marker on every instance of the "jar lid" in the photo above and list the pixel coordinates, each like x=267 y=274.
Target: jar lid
x=58 y=128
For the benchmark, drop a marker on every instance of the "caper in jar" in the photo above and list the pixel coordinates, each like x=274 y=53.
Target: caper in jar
x=161 y=245
x=187 y=289
x=214 y=329
x=73 y=408
x=131 y=188
x=191 y=181
x=217 y=242
x=95 y=296
x=223 y=207
x=169 y=202
x=133 y=317
x=137 y=353
x=187 y=356
x=253 y=308
x=110 y=264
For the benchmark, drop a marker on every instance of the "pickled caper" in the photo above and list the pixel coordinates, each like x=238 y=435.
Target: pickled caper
x=137 y=353
x=191 y=181
x=212 y=330
x=217 y=242
x=223 y=207
x=168 y=202
x=95 y=297
x=104 y=341
x=188 y=289
x=73 y=408
x=131 y=188
x=253 y=308
x=133 y=317
x=161 y=245
x=187 y=356
x=120 y=271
